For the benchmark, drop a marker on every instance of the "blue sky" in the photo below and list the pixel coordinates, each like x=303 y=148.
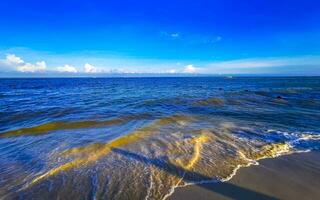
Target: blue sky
x=131 y=36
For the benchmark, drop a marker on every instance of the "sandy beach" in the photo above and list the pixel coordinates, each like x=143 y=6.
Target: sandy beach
x=294 y=176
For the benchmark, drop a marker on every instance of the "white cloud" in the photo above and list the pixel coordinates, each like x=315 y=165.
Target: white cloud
x=13 y=62
x=67 y=68
x=172 y=71
x=218 y=38
x=10 y=62
x=174 y=35
x=28 y=67
x=170 y=35
x=12 y=59
x=266 y=62
x=247 y=63
x=259 y=65
x=190 y=69
x=90 y=68
x=120 y=71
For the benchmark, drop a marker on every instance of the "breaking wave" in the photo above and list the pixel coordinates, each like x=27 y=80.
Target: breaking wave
x=165 y=154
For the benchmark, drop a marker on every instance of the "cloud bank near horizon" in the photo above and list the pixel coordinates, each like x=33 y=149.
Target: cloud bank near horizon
x=300 y=65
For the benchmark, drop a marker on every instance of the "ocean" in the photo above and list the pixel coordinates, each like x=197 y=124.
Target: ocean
x=140 y=138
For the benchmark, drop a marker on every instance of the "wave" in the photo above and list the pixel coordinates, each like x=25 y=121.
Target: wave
x=93 y=152
x=58 y=126
x=166 y=154
x=268 y=151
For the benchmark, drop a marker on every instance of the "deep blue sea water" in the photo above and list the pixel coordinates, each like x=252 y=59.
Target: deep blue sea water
x=139 y=138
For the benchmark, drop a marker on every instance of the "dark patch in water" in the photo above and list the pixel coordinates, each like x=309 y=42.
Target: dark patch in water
x=210 y=101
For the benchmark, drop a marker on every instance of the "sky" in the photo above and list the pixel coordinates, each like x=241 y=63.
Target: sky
x=90 y=37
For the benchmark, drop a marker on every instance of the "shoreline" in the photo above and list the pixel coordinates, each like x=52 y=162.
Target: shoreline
x=292 y=176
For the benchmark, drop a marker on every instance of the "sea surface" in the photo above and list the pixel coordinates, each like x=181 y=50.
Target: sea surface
x=139 y=138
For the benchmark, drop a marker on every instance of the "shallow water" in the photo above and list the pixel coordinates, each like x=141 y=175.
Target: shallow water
x=139 y=138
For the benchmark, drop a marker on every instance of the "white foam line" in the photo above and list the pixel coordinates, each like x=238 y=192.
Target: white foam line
x=173 y=188
x=150 y=187
x=234 y=172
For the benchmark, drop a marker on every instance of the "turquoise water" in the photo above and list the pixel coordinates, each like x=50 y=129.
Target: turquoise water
x=139 y=138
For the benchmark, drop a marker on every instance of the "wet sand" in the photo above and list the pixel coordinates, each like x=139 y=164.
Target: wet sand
x=295 y=176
